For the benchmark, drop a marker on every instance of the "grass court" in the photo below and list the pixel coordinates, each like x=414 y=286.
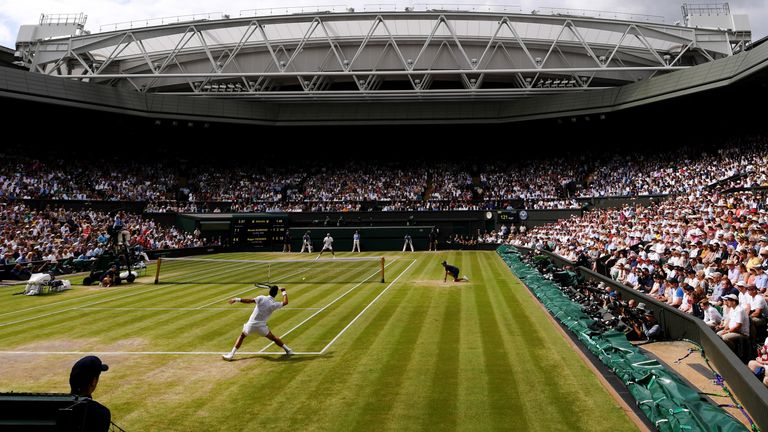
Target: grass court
x=412 y=353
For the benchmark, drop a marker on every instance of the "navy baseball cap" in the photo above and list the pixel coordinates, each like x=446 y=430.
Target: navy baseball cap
x=84 y=371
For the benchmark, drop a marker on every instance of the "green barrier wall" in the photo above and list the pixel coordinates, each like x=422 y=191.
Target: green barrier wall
x=668 y=402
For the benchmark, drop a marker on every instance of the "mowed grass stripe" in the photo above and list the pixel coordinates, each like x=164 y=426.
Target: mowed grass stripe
x=573 y=392
x=326 y=324
x=126 y=324
x=330 y=299
x=336 y=387
x=502 y=351
x=412 y=399
x=489 y=363
x=533 y=358
x=173 y=330
x=178 y=329
x=101 y=297
x=427 y=355
x=16 y=304
x=399 y=357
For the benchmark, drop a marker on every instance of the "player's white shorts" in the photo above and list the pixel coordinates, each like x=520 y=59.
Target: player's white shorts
x=259 y=327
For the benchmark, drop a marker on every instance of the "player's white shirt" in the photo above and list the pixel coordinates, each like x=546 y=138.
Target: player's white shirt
x=328 y=242
x=265 y=305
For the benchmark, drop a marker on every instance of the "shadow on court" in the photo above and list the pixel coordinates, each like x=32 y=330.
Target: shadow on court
x=283 y=358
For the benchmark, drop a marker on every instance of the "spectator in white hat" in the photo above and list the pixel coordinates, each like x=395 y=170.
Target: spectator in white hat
x=736 y=331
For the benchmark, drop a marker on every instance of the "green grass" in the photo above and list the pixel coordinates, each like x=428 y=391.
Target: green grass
x=425 y=356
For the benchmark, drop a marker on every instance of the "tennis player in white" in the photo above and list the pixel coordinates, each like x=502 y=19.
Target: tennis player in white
x=265 y=305
x=327 y=245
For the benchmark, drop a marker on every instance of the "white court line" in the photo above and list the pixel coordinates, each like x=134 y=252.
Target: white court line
x=218 y=353
x=184 y=309
x=219 y=300
x=326 y=306
x=366 y=308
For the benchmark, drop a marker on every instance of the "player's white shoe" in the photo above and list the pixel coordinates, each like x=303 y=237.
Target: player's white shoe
x=228 y=357
x=288 y=351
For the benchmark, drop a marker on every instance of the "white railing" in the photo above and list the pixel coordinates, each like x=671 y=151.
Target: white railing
x=467 y=7
x=52 y=19
x=162 y=21
x=291 y=10
x=598 y=14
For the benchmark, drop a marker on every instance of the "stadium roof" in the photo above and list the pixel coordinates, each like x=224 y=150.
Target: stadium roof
x=373 y=55
x=396 y=67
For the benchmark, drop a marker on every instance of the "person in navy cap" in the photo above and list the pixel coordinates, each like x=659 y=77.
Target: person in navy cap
x=83 y=379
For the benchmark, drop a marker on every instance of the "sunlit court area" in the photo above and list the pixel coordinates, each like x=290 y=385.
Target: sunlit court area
x=364 y=217
x=409 y=352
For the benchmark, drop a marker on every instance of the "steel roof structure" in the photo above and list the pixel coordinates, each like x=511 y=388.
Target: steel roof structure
x=364 y=56
x=379 y=67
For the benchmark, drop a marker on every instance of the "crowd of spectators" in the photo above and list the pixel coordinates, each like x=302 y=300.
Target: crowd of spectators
x=54 y=235
x=690 y=251
x=561 y=182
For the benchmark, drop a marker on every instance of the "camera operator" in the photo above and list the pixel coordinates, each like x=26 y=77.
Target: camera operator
x=632 y=319
x=583 y=259
x=651 y=327
x=610 y=298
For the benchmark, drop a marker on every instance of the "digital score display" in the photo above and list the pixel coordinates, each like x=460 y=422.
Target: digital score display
x=512 y=216
x=258 y=230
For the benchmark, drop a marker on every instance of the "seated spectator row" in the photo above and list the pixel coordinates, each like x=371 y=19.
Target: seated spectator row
x=55 y=235
x=203 y=186
x=697 y=252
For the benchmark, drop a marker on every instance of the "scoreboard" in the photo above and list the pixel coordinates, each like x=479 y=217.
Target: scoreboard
x=258 y=230
x=512 y=216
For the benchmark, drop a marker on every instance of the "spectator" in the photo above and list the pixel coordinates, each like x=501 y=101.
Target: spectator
x=712 y=317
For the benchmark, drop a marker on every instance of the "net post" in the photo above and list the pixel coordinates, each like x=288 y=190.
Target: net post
x=157 y=273
x=382 y=269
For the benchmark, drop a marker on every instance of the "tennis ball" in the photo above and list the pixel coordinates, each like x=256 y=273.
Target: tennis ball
x=303 y=278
